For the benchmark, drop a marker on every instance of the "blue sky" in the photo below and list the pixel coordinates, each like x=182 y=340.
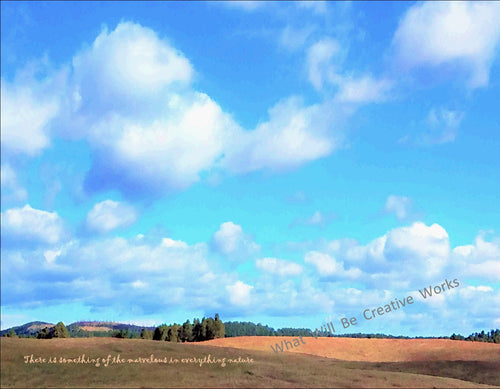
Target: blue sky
x=284 y=163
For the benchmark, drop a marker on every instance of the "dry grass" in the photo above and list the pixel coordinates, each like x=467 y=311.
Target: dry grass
x=373 y=350
x=268 y=369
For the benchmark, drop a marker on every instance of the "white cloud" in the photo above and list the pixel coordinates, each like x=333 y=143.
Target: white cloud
x=323 y=63
x=364 y=89
x=51 y=255
x=11 y=190
x=436 y=33
x=319 y=62
x=125 y=66
x=481 y=259
x=132 y=275
x=28 y=224
x=399 y=205
x=239 y=293
x=167 y=242
x=138 y=284
x=158 y=134
x=421 y=248
x=231 y=241
x=25 y=117
x=295 y=134
x=155 y=133
x=327 y=266
x=109 y=215
x=278 y=266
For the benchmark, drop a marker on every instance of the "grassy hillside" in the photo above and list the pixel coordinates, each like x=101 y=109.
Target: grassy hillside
x=266 y=370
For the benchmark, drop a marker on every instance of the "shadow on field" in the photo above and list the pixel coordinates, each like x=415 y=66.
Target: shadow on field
x=473 y=371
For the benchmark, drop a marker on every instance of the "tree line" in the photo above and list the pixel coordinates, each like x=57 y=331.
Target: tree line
x=490 y=337
x=211 y=328
x=205 y=329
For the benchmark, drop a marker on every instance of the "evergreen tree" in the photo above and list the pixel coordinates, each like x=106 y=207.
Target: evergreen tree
x=146 y=334
x=186 y=332
x=161 y=332
x=60 y=331
x=210 y=331
x=219 y=327
x=173 y=333
x=45 y=333
x=197 y=330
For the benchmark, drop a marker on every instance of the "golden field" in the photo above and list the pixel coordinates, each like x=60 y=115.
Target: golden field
x=322 y=362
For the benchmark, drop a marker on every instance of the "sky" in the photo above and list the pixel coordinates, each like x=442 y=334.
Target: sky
x=288 y=163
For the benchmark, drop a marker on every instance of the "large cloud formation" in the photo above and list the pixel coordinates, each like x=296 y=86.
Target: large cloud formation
x=464 y=33
x=130 y=95
x=335 y=278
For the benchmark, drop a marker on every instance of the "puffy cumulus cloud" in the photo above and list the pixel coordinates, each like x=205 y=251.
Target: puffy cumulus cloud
x=168 y=242
x=419 y=248
x=155 y=134
x=26 y=113
x=286 y=297
x=436 y=33
x=147 y=278
x=328 y=267
x=279 y=267
x=132 y=99
x=230 y=240
x=109 y=215
x=240 y=293
x=129 y=94
x=116 y=272
x=481 y=259
x=126 y=66
x=409 y=257
x=295 y=134
x=11 y=189
x=399 y=205
x=30 y=226
x=166 y=154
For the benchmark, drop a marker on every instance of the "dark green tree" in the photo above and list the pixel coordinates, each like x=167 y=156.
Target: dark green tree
x=186 y=334
x=60 y=331
x=146 y=334
x=173 y=333
x=219 y=327
x=160 y=332
x=45 y=333
x=197 y=330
